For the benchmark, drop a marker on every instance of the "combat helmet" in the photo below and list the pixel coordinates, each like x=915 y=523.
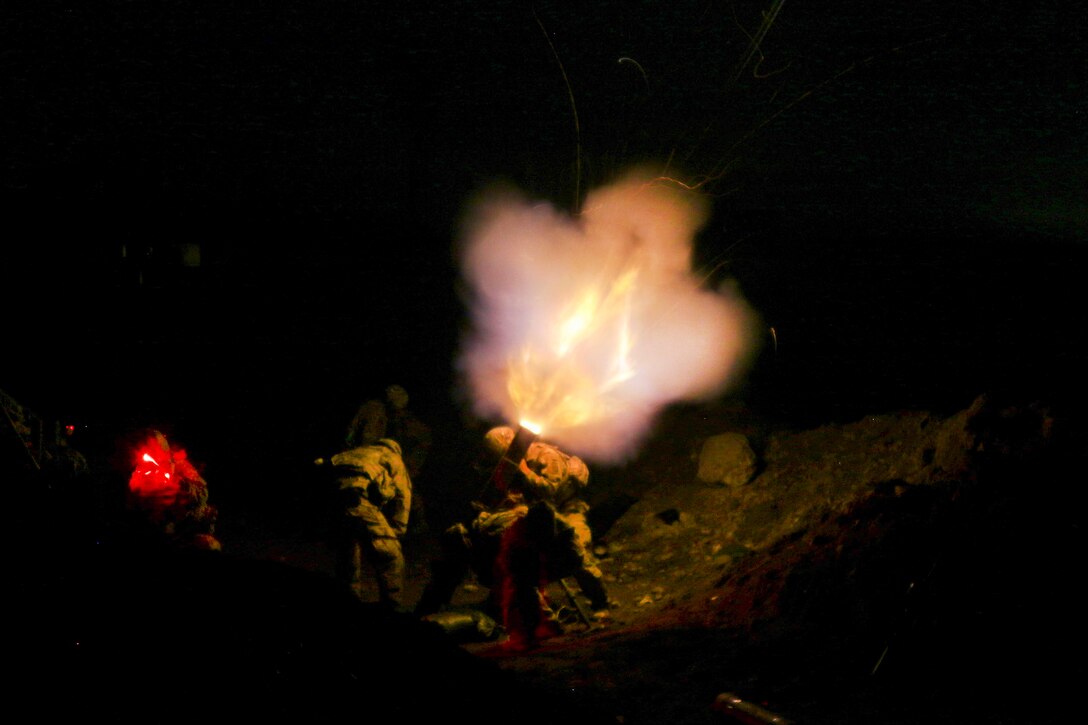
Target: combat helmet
x=397 y=396
x=497 y=441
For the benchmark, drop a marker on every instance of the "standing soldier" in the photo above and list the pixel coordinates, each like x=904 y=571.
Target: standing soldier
x=374 y=499
x=390 y=417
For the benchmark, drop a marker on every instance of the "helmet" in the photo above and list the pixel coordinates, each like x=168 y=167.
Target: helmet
x=397 y=397
x=390 y=444
x=497 y=441
x=151 y=447
x=155 y=440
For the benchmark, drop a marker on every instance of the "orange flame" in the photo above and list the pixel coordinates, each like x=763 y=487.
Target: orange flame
x=564 y=384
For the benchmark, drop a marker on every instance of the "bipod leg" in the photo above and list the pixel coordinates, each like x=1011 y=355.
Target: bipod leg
x=572 y=597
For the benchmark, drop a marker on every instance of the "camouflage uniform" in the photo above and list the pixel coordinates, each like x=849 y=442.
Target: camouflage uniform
x=546 y=476
x=551 y=476
x=170 y=498
x=375 y=497
x=390 y=418
x=551 y=541
x=468 y=549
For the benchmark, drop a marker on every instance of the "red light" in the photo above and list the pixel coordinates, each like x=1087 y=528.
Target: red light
x=151 y=480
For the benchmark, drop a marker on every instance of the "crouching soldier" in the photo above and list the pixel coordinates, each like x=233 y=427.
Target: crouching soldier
x=541 y=547
x=168 y=497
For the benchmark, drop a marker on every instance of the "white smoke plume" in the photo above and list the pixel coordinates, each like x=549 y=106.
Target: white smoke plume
x=587 y=327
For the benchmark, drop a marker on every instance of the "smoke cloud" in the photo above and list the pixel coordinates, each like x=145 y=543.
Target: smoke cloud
x=588 y=326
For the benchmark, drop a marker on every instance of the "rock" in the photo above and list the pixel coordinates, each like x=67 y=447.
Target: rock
x=726 y=459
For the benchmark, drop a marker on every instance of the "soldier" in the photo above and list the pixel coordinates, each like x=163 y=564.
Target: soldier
x=374 y=501
x=390 y=417
x=474 y=548
x=464 y=550
x=544 y=476
x=169 y=497
x=550 y=542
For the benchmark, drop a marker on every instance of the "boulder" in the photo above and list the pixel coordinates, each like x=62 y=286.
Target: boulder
x=726 y=459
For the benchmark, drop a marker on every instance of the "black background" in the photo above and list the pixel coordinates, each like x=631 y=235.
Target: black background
x=898 y=190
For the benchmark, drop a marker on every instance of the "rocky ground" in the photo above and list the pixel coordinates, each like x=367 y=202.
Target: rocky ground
x=905 y=567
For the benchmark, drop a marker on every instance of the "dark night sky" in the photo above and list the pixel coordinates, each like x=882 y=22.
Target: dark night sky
x=899 y=191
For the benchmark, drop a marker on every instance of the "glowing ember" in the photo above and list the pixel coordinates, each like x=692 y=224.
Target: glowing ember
x=586 y=327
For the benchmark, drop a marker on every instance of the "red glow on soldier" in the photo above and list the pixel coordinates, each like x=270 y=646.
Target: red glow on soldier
x=170 y=496
x=158 y=470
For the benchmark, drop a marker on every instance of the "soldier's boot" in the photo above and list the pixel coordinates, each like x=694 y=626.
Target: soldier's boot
x=592 y=586
x=445 y=578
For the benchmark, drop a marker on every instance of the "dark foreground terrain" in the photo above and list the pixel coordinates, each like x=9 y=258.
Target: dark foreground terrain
x=903 y=568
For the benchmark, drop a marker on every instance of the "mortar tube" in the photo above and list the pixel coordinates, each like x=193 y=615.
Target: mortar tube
x=523 y=438
x=511 y=460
